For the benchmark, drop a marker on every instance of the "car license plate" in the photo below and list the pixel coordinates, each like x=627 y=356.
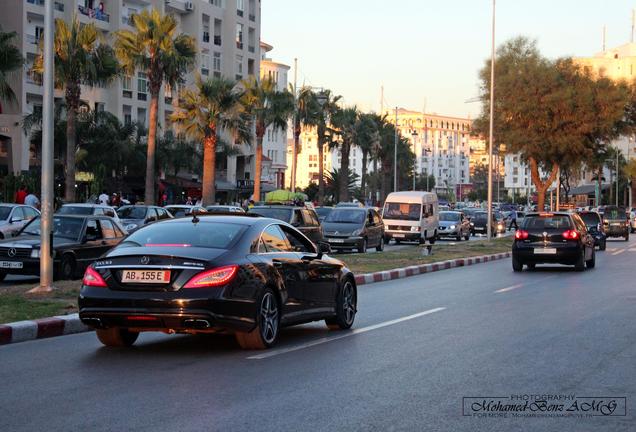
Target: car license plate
x=146 y=276
x=398 y=235
x=545 y=251
x=11 y=264
x=617 y=224
x=336 y=240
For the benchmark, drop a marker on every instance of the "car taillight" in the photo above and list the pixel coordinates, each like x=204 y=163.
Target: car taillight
x=571 y=235
x=93 y=278
x=521 y=235
x=213 y=278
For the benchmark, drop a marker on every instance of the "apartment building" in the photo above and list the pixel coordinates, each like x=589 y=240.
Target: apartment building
x=227 y=34
x=307 y=167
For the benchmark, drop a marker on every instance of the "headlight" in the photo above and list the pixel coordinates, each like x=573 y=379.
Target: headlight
x=356 y=232
x=35 y=253
x=415 y=229
x=472 y=224
x=131 y=227
x=452 y=227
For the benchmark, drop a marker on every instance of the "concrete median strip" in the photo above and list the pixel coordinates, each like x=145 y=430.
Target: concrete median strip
x=68 y=324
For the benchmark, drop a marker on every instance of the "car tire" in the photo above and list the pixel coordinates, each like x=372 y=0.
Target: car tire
x=397 y=242
x=363 y=247
x=458 y=237
x=380 y=246
x=580 y=263
x=603 y=245
x=67 y=267
x=531 y=266
x=467 y=237
x=346 y=307
x=517 y=265
x=434 y=238
x=592 y=262
x=116 y=337
x=265 y=334
x=3 y=274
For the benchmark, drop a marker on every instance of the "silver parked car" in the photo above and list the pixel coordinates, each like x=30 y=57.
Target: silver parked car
x=453 y=224
x=13 y=217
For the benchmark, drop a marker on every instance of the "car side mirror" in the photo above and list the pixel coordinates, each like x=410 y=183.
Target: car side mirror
x=323 y=248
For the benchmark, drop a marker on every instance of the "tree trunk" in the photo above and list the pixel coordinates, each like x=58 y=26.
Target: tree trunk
x=343 y=192
x=73 y=93
x=209 y=168
x=363 y=180
x=258 y=165
x=292 y=180
x=376 y=187
x=385 y=180
x=149 y=197
x=542 y=186
x=321 y=167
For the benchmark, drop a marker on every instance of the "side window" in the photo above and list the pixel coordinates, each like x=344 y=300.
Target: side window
x=29 y=213
x=98 y=211
x=376 y=217
x=92 y=230
x=275 y=240
x=118 y=231
x=109 y=212
x=309 y=218
x=162 y=214
x=107 y=229
x=297 y=218
x=18 y=214
x=151 y=215
x=261 y=246
x=298 y=243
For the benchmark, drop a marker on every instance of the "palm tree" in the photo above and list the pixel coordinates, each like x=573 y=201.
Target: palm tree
x=214 y=106
x=367 y=139
x=10 y=61
x=344 y=123
x=154 y=48
x=269 y=107
x=327 y=104
x=80 y=59
x=305 y=113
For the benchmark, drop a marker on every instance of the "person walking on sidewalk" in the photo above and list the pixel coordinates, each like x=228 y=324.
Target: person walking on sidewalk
x=20 y=195
x=513 y=220
x=103 y=198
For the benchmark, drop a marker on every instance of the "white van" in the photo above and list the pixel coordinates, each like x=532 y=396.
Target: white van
x=411 y=216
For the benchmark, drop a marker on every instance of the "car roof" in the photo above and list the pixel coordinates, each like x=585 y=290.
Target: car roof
x=248 y=220
x=85 y=205
x=11 y=205
x=281 y=206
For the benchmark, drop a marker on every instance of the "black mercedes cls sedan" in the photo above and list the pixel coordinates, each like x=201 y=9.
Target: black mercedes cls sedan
x=559 y=238
x=240 y=274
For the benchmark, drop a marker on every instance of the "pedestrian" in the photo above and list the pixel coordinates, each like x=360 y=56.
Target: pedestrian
x=21 y=194
x=115 y=201
x=251 y=204
x=513 y=220
x=103 y=198
x=32 y=200
x=189 y=201
x=199 y=201
x=164 y=199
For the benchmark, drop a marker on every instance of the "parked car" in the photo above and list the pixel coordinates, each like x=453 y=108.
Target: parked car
x=87 y=210
x=323 y=212
x=453 y=224
x=13 y=217
x=135 y=216
x=348 y=228
x=180 y=211
x=556 y=238
x=479 y=224
x=224 y=209
x=616 y=222
x=248 y=276
x=77 y=242
x=303 y=219
x=411 y=216
x=594 y=224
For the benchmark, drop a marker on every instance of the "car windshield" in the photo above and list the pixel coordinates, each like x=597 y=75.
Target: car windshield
x=346 y=215
x=402 y=211
x=132 y=212
x=4 y=212
x=590 y=219
x=75 y=210
x=448 y=216
x=546 y=222
x=480 y=217
x=283 y=214
x=205 y=235
x=62 y=227
x=614 y=213
x=323 y=211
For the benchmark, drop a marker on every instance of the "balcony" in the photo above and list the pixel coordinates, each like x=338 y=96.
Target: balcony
x=217 y=40
x=34 y=78
x=239 y=12
x=127 y=20
x=94 y=13
x=142 y=96
x=127 y=94
x=251 y=49
x=36 y=2
x=32 y=39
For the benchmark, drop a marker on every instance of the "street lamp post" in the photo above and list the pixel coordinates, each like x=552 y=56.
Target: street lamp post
x=491 y=126
x=414 y=136
x=395 y=182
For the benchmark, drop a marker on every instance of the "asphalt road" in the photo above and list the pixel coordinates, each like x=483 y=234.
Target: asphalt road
x=419 y=346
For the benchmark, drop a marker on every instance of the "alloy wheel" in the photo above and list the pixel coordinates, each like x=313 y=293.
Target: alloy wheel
x=348 y=302
x=269 y=318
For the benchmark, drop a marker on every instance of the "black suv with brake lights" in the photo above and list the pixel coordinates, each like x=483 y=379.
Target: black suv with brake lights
x=303 y=219
x=616 y=222
x=555 y=238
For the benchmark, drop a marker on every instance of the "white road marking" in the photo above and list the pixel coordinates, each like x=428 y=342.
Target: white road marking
x=354 y=332
x=632 y=250
x=510 y=288
x=611 y=249
x=618 y=252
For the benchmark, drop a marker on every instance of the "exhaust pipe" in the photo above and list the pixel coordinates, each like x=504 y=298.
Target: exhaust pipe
x=196 y=324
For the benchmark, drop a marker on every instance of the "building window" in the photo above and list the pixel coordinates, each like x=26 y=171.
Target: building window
x=127 y=116
x=142 y=85
x=239 y=64
x=205 y=64
x=239 y=36
x=216 y=62
x=218 y=3
x=126 y=84
x=240 y=7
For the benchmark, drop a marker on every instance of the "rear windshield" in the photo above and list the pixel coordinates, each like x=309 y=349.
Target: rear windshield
x=615 y=213
x=206 y=235
x=323 y=211
x=283 y=214
x=75 y=210
x=547 y=222
x=132 y=213
x=178 y=212
x=480 y=217
x=346 y=215
x=402 y=211
x=590 y=218
x=448 y=216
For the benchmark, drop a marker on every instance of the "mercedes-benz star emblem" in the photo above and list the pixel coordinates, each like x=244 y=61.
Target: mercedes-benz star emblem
x=144 y=260
x=11 y=252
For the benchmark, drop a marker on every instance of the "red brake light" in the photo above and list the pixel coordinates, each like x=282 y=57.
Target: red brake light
x=571 y=235
x=521 y=235
x=93 y=278
x=213 y=278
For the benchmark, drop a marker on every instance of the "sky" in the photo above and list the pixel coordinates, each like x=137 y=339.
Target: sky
x=425 y=53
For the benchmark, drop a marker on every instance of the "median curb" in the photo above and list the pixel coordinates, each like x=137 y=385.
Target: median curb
x=22 y=331
x=399 y=273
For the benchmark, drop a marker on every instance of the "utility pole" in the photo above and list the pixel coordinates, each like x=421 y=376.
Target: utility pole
x=633 y=23
x=604 y=32
x=491 y=127
x=395 y=188
x=295 y=149
x=558 y=190
x=46 y=217
x=617 y=174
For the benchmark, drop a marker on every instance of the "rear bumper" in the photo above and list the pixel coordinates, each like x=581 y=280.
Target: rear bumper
x=564 y=254
x=616 y=231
